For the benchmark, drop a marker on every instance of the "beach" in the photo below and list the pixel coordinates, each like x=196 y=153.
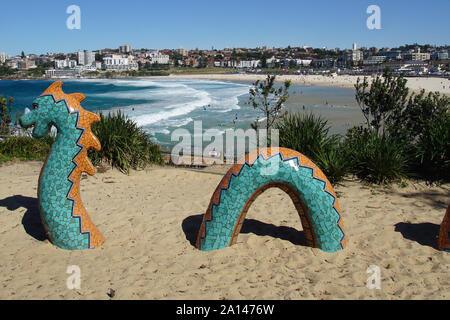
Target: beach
x=150 y=221
x=162 y=105
x=441 y=85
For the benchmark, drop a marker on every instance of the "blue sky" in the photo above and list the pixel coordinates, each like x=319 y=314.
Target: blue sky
x=40 y=26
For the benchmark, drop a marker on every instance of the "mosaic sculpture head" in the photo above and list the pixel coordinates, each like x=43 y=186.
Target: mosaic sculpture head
x=63 y=215
x=50 y=111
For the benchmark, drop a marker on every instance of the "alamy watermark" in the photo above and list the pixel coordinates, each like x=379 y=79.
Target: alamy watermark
x=74 y=280
x=374 y=280
x=228 y=147
x=374 y=20
x=73 y=22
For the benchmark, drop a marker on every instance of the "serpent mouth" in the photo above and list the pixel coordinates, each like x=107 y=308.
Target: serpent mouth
x=26 y=126
x=26 y=111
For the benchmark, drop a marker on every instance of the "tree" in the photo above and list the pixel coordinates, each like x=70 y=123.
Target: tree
x=292 y=64
x=99 y=57
x=5 y=115
x=421 y=112
x=23 y=55
x=264 y=61
x=266 y=98
x=60 y=56
x=385 y=97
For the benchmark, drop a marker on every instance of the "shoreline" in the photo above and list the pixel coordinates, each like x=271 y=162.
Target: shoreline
x=415 y=84
x=429 y=84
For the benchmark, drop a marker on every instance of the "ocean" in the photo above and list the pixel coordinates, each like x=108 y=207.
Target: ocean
x=161 y=106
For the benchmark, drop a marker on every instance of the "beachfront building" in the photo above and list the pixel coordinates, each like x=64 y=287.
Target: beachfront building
x=119 y=62
x=303 y=62
x=353 y=57
x=272 y=62
x=416 y=55
x=63 y=73
x=85 y=57
x=416 y=67
x=226 y=63
x=440 y=55
x=67 y=63
x=157 y=58
x=391 y=55
x=323 y=63
x=252 y=64
x=374 y=60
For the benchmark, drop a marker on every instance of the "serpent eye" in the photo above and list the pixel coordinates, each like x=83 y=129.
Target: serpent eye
x=35 y=105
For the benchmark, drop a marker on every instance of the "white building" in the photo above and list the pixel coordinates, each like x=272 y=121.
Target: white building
x=3 y=57
x=63 y=73
x=354 y=56
x=13 y=64
x=120 y=62
x=91 y=67
x=156 y=57
x=67 y=63
x=85 y=57
x=374 y=60
x=271 y=62
x=226 y=64
x=252 y=64
x=302 y=62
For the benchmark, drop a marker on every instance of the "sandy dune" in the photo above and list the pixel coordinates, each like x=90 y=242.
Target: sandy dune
x=150 y=220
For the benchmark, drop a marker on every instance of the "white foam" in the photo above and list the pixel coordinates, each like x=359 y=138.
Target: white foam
x=177 y=110
x=170 y=102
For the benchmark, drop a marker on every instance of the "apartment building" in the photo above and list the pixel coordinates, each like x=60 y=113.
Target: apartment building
x=85 y=57
x=119 y=62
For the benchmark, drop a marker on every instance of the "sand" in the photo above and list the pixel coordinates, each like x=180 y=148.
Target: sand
x=150 y=220
x=346 y=81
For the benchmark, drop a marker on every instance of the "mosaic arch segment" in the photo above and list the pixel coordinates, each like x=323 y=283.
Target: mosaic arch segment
x=64 y=217
x=444 y=232
x=306 y=185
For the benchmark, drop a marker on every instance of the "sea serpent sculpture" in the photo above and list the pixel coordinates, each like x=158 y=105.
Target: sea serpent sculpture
x=66 y=221
x=292 y=172
x=444 y=232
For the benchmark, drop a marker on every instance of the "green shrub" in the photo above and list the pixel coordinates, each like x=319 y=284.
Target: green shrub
x=375 y=158
x=309 y=135
x=432 y=151
x=124 y=145
x=25 y=148
x=333 y=163
x=5 y=115
x=418 y=124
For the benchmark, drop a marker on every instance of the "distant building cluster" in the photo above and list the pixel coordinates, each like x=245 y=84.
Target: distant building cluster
x=413 y=59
